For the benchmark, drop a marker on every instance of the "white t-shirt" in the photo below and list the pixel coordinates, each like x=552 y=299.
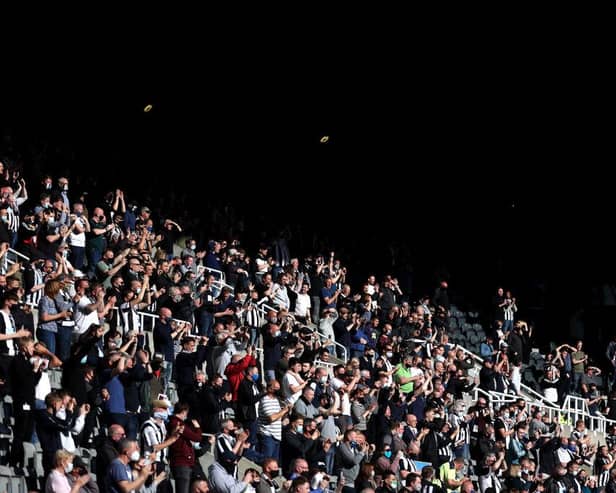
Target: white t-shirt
x=287 y=381
x=43 y=387
x=78 y=239
x=83 y=320
x=302 y=305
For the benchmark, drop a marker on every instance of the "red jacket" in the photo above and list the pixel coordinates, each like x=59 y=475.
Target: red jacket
x=235 y=373
x=182 y=452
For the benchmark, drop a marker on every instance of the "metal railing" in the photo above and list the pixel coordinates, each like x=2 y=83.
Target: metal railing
x=576 y=408
x=525 y=388
x=265 y=308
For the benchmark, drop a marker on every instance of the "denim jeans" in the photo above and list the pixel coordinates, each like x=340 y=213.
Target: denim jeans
x=78 y=256
x=577 y=380
x=270 y=447
x=64 y=338
x=167 y=372
x=48 y=338
x=205 y=321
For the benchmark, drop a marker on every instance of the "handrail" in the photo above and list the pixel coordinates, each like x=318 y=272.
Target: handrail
x=575 y=413
x=526 y=388
x=18 y=254
x=264 y=306
x=325 y=364
x=221 y=274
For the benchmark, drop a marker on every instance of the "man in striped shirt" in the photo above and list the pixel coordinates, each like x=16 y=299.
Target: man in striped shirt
x=603 y=463
x=270 y=421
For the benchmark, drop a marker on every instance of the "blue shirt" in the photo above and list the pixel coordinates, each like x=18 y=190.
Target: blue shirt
x=118 y=471
x=328 y=293
x=116 y=403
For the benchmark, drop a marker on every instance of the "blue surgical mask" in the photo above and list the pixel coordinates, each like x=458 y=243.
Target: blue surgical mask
x=255 y=377
x=164 y=415
x=300 y=428
x=387 y=453
x=150 y=229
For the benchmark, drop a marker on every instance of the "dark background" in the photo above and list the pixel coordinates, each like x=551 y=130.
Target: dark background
x=484 y=177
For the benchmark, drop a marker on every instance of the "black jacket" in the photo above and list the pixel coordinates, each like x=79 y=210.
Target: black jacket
x=21 y=371
x=48 y=429
x=247 y=399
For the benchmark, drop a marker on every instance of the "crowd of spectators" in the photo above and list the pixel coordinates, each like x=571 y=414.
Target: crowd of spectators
x=284 y=363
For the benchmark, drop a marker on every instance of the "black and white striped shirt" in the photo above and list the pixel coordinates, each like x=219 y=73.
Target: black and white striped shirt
x=603 y=475
x=130 y=317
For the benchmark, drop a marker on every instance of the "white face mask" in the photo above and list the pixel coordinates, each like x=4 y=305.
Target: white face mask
x=68 y=468
x=389 y=354
x=135 y=456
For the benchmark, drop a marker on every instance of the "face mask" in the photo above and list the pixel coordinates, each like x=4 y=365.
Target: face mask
x=193 y=247
x=51 y=221
x=68 y=468
x=66 y=188
x=135 y=456
x=506 y=415
x=274 y=320
x=84 y=360
x=389 y=354
x=78 y=214
x=164 y=415
x=387 y=453
x=394 y=485
x=353 y=444
x=525 y=471
x=255 y=377
x=138 y=290
x=573 y=448
x=5 y=219
x=575 y=473
x=300 y=429
x=323 y=379
x=277 y=333
x=150 y=229
x=47 y=186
